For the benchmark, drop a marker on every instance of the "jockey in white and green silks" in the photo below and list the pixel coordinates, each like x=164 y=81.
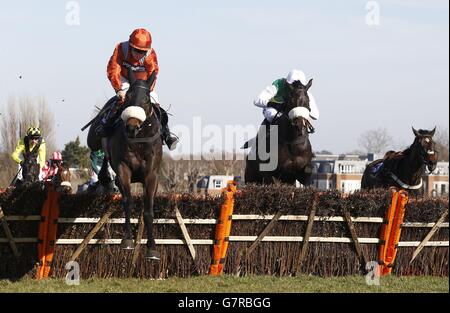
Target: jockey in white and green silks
x=277 y=92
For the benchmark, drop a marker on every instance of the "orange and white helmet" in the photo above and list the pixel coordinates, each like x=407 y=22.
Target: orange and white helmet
x=141 y=39
x=56 y=156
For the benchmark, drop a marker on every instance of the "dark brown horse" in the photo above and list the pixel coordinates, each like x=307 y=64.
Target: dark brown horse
x=403 y=169
x=290 y=159
x=62 y=179
x=30 y=170
x=134 y=151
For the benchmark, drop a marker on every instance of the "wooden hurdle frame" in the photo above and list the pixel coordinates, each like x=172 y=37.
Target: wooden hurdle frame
x=235 y=217
x=253 y=241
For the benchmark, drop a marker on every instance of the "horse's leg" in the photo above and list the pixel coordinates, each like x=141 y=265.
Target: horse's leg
x=305 y=175
x=364 y=181
x=123 y=180
x=104 y=177
x=304 y=179
x=251 y=174
x=151 y=183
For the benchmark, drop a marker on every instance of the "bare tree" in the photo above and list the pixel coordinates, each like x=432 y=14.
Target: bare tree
x=183 y=175
x=441 y=139
x=192 y=176
x=46 y=123
x=15 y=118
x=171 y=177
x=375 y=140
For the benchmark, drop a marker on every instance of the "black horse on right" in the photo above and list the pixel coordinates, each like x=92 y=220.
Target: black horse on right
x=403 y=169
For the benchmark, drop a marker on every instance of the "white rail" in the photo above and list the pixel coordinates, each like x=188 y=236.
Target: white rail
x=242 y=217
x=234 y=239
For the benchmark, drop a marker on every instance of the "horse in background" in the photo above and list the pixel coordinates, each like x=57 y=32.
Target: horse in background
x=294 y=148
x=62 y=180
x=30 y=170
x=403 y=169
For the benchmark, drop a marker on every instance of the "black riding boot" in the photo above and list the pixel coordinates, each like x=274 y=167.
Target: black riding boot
x=170 y=140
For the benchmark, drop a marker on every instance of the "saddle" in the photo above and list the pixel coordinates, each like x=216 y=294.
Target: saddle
x=387 y=163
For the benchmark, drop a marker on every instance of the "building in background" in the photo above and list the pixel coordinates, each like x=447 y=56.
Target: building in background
x=436 y=183
x=213 y=184
x=344 y=173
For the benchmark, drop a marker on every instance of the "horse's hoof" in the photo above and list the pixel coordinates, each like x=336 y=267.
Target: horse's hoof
x=153 y=255
x=127 y=244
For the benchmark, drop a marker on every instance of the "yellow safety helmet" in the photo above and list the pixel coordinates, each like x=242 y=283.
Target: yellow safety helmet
x=34 y=132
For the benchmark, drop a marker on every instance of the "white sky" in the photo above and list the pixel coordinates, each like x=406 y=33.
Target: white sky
x=216 y=57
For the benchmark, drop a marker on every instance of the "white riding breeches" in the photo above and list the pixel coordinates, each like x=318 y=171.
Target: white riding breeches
x=19 y=175
x=270 y=114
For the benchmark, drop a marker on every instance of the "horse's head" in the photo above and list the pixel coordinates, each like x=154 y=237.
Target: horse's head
x=137 y=104
x=30 y=169
x=62 y=180
x=297 y=105
x=426 y=147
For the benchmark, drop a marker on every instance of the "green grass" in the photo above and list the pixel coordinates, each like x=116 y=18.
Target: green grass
x=231 y=284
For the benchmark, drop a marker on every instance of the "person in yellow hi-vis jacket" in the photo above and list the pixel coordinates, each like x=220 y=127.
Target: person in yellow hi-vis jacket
x=31 y=146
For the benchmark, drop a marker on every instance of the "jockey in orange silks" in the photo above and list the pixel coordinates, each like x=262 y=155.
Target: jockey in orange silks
x=136 y=55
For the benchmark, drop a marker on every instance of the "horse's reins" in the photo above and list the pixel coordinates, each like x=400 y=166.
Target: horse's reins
x=145 y=139
x=424 y=154
x=307 y=124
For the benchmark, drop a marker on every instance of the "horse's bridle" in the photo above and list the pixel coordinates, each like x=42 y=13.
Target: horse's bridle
x=424 y=153
x=142 y=87
x=64 y=183
x=306 y=123
x=152 y=111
